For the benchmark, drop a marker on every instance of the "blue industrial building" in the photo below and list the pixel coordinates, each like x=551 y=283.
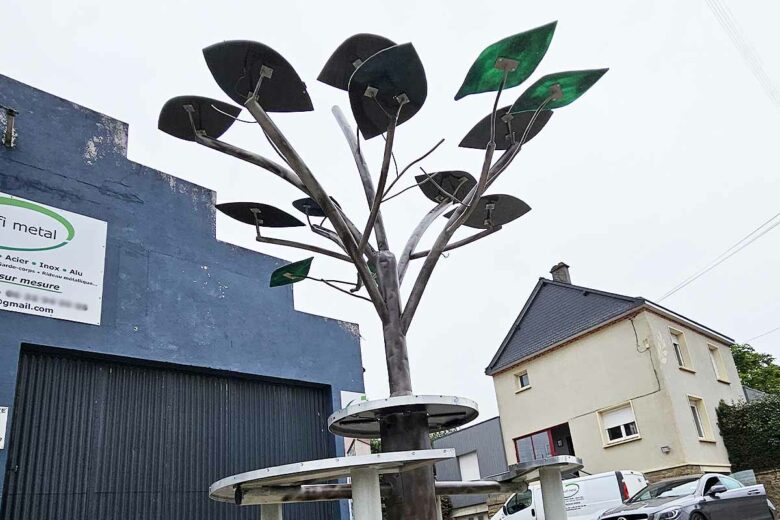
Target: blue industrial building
x=198 y=370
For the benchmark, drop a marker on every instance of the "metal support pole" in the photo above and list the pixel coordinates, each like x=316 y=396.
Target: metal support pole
x=552 y=493
x=271 y=512
x=414 y=493
x=366 y=495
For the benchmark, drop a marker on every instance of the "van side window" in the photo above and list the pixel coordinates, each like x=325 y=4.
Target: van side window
x=519 y=502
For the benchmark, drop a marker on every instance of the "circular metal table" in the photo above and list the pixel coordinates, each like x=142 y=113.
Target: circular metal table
x=361 y=420
x=271 y=487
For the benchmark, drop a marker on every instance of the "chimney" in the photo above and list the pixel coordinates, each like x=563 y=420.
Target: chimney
x=560 y=273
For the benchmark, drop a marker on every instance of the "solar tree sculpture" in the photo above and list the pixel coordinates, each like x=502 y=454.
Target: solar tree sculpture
x=386 y=85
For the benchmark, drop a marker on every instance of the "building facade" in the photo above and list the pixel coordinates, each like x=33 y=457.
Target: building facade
x=479 y=454
x=197 y=369
x=618 y=381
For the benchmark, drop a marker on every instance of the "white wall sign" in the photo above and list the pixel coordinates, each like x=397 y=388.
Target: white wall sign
x=51 y=261
x=3 y=425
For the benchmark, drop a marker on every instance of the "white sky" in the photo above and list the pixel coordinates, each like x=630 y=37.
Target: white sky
x=670 y=159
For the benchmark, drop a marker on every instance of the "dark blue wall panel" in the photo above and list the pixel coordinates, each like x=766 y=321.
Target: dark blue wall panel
x=172 y=292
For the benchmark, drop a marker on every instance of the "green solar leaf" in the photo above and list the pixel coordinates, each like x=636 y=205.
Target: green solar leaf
x=572 y=85
x=291 y=273
x=527 y=49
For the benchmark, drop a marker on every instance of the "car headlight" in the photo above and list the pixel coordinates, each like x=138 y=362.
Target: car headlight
x=669 y=514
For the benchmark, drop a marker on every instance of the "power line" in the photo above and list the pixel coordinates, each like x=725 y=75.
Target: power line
x=748 y=52
x=767 y=333
x=728 y=253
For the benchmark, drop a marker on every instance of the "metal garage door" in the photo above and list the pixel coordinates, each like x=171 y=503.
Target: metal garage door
x=103 y=439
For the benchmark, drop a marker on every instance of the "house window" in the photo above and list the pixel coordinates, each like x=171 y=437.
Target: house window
x=700 y=419
x=680 y=350
x=469 y=466
x=619 y=424
x=521 y=380
x=535 y=446
x=717 y=363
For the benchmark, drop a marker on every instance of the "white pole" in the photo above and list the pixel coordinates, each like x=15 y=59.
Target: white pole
x=271 y=512
x=552 y=493
x=366 y=497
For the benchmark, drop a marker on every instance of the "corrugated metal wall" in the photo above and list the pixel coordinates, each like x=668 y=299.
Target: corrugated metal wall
x=485 y=438
x=100 y=439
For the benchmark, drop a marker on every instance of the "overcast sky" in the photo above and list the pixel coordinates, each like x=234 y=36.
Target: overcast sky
x=671 y=158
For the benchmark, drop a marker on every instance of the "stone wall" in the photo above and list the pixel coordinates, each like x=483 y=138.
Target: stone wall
x=771 y=481
x=495 y=502
x=679 y=471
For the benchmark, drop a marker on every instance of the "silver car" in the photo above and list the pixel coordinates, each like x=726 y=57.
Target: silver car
x=698 y=497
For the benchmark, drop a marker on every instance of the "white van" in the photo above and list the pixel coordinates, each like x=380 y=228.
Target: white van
x=586 y=497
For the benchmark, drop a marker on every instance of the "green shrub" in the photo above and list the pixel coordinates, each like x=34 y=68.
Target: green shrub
x=751 y=433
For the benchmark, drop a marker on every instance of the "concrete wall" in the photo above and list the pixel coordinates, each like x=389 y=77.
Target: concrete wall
x=172 y=292
x=611 y=366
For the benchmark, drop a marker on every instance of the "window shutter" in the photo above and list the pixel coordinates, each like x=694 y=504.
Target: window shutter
x=618 y=416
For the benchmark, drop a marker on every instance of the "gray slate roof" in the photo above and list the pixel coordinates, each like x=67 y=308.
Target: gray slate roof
x=554 y=312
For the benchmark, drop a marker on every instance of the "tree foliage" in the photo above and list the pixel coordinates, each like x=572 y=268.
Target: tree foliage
x=751 y=433
x=756 y=370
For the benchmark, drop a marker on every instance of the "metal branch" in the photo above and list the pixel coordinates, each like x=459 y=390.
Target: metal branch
x=441 y=242
x=365 y=174
x=380 y=188
x=332 y=285
x=519 y=146
x=301 y=245
x=318 y=193
x=459 y=243
x=250 y=157
x=417 y=235
x=326 y=233
x=426 y=154
x=370 y=252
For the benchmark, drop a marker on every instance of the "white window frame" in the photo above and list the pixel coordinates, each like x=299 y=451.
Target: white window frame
x=700 y=416
x=680 y=349
x=718 y=364
x=519 y=387
x=626 y=438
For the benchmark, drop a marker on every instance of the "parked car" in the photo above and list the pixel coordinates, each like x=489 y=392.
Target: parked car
x=697 y=497
x=586 y=497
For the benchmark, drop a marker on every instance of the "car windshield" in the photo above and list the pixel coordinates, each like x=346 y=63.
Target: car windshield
x=674 y=488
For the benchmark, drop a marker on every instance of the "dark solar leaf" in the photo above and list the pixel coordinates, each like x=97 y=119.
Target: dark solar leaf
x=308 y=206
x=495 y=210
x=349 y=56
x=506 y=126
x=388 y=73
x=236 y=66
x=208 y=116
x=269 y=216
x=446 y=185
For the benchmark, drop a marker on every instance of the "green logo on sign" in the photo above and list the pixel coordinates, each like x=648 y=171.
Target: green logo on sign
x=28 y=230
x=571 y=490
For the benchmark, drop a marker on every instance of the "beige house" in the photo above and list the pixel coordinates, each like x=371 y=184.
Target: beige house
x=619 y=381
